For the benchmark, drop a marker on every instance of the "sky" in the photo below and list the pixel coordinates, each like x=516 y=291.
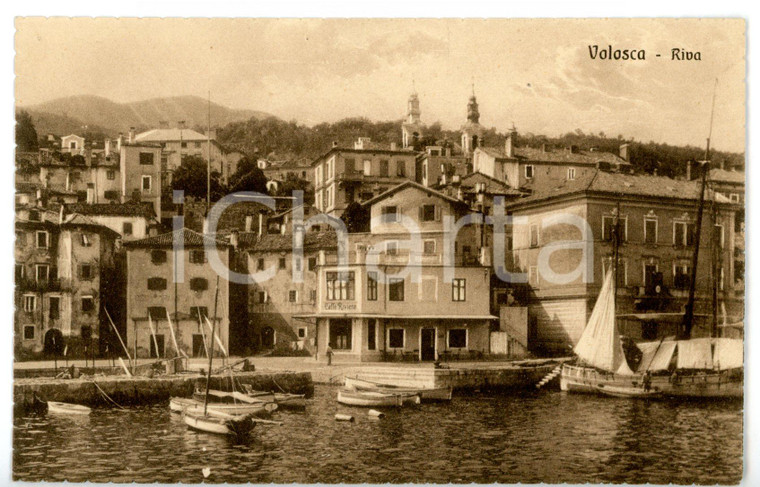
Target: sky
x=535 y=74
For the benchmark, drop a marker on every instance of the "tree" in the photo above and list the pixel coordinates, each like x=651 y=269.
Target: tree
x=191 y=176
x=293 y=183
x=248 y=177
x=26 y=134
x=356 y=217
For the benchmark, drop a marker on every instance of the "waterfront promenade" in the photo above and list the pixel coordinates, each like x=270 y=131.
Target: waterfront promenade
x=321 y=373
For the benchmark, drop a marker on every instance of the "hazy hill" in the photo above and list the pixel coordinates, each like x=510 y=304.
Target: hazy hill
x=65 y=115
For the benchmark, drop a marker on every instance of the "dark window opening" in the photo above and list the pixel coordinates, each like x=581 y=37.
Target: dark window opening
x=340 y=334
x=458 y=338
x=396 y=338
x=395 y=289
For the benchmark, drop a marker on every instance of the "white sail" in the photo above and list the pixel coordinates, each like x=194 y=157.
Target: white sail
x=599 y=344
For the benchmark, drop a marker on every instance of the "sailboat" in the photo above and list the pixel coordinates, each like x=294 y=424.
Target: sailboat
x=683 y=367
x=233 y=425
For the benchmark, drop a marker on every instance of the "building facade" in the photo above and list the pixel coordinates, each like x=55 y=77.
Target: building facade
x=188 y=303
x=420 y=307
x=657 y=218
x=61 y=290
x=342 y=176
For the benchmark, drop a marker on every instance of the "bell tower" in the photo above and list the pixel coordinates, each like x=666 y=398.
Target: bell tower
x=472 y=131
x=411 y=129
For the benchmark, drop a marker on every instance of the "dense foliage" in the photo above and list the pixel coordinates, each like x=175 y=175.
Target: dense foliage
x=26 y=134
x=278 y=139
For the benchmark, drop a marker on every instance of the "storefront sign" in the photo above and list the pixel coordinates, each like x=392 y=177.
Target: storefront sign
x=339 y=306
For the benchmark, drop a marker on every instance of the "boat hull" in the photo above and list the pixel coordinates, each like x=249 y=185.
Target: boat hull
x=180 y=404
x=718 y=384
x=209 y=424
x=426 y=394
x=375 y=399
x=67 y=408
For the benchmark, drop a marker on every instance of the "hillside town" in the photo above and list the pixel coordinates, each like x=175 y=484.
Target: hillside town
x=96 y=233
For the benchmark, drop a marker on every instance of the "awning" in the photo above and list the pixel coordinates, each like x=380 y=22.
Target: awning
x=656 y=355
x=695 y=354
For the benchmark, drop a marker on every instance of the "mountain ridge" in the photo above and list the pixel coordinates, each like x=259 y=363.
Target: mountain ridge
x=93 y=113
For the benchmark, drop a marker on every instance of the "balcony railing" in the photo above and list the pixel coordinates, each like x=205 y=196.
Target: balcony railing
x=41 y=286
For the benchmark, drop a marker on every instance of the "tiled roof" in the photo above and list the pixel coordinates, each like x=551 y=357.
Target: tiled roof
x=724 y=176
x=46 y=216
x=620 y=184
x=143 y=209
x=159 y=135
x=412 y=184
x=81 y=220
x=556 y=156
x=189 y=237
x=27 y=187
x=493 y=185
x=278 y=242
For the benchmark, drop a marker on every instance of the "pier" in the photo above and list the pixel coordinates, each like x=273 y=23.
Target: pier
x=124 y=390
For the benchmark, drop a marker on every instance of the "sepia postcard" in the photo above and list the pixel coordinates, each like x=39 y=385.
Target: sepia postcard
x=373 y=251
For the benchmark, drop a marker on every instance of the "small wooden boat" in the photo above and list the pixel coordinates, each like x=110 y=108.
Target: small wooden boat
x=282 y=399
x=426 y=394
x=67 y=408
x=239 y=426
x=375 y=399
x=193 y=406
x=628 y=392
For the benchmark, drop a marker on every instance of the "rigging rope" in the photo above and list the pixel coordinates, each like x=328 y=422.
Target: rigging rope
x=106 y=395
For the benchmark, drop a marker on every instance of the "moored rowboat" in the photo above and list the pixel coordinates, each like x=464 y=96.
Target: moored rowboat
x=628 y=392
x=67 y=408
x=426 y=394
x=237 y=426
x=375 y=398
x=193 y=406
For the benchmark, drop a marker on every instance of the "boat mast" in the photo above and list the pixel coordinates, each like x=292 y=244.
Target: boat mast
x=616 y=253
x=211 y=351
x=688 y=317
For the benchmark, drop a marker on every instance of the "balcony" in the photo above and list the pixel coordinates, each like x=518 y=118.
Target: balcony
x=42 y=286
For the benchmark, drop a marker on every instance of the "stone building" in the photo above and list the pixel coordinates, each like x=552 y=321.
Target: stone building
x=657 y=217
x=364 y=316
x=274 y=303
x=184 y=302
x=543 y=169
x=180 y=142
x=60 y=276
x=342 y=176
x=129 y=220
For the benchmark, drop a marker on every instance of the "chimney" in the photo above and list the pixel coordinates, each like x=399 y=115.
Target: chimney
x=688 y=170
x=544 y=147
x=88 y=155
x=248 y=223
x=393 y=146
x=39 y=197
x=60 y=215
x=131 y=135
x=90 y=193
x=205 y=225
x=163 y=124
x=107 y=148
x=119 y=142
x=212 y=134
x=261 y=223
x=335 y=144
x=573 y=149
x=234 y=239
x=624 y=153
x=509 y=145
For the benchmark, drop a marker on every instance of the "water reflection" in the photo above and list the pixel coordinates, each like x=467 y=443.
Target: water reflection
x=546 y=437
